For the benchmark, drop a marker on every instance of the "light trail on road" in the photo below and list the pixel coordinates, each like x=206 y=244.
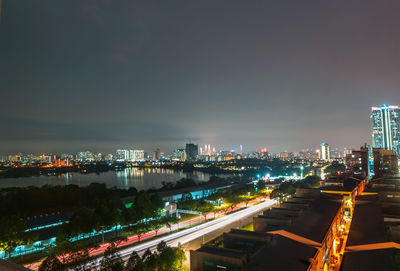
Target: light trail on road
x=190 y=234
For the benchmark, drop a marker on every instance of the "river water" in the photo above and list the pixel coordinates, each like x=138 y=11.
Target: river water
x=137 y=177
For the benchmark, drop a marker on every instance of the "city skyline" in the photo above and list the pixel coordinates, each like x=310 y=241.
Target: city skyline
x=199 y=135
x=101 y=75
x=182 y=148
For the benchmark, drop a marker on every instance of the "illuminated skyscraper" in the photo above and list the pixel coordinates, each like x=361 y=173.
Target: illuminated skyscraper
x=325 y=151
x=85 y=156
x=122 y=155
x=385 y=123
x=137 y=155
x=179 y=155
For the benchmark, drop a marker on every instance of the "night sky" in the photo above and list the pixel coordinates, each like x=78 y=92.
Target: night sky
x=107 y=74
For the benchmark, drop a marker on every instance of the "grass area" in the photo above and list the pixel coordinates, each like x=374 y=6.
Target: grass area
x=248 y=227
x=185 y=217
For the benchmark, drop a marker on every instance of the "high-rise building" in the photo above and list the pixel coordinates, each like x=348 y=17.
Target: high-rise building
x=192 y=151
x=157 y=155
x=385 y=121
x=137 y=155
x=85 y=156
x=108 y=157
x=129 y=155
x=325 y=151
x=98 y=157
x=179 y=155
x=385 y=162
x=357 y=162
x=122 y=155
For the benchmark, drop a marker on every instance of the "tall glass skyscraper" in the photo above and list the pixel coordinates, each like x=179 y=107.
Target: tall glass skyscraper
x=325 y=151
x=385 y=121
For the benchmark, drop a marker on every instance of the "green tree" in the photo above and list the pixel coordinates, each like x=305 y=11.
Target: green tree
x=80 y=260
x=156 y=225
x=205 y=207
x=260 y=185
x=247 y=198
x=111 y=261
x=262 y=193
x=12 y=233
x=275 y=193
x=335 y=167
x=157 y=205
x=232 y=199
x=180 y=258
x=169 y=221
x=135 y=263
x=311 y=182
x=187 y=204
x=63 y=249
x=166 y=259
x=51 y=263
x=287 y=188
x=217 y=209
x=140 y=228
x=170 y=259
x=144 y=207
x=81 y=222
x=150 y=259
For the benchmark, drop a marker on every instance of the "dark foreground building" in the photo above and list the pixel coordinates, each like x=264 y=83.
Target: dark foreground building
x=374 y=236
x=299 y=235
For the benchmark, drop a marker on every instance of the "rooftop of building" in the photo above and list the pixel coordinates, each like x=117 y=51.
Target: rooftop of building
x=367 y=225
x=300 y=199
x=248 y=233
x=200 y=187
x=371 y=260
x=282 y=254
x=225 y=252
x=275 y=217
x=379 y=189
x=367 y=228
x=275 y=227
x=47 y=220
x=313 y=223
x=388 y=180
x=346 y=185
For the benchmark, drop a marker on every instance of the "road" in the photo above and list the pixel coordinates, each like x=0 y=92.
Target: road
x=187 y=235
x=183 y=236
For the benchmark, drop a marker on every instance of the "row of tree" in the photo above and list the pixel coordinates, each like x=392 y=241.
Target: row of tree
x=142 y=214
x=31 y=201
x=94 y=207
x=37 y=170
x=290 y=187
x=230 y=198
x=164 y=258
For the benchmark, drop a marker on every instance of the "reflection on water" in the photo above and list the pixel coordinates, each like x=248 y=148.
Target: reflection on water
x=137 y=177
